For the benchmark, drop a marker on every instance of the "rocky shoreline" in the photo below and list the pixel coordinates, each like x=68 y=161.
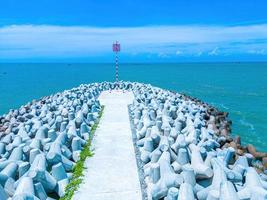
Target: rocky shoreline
x=184 y=144
x=222 y=127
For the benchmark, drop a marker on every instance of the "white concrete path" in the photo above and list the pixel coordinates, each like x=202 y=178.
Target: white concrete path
x=111 y=173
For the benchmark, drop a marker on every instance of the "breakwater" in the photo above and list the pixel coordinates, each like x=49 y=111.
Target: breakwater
x=185 y=146
x=41 y=143
x=187 y=150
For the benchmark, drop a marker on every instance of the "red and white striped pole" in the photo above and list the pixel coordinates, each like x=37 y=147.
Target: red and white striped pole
x=116 y=47
x=117 y=68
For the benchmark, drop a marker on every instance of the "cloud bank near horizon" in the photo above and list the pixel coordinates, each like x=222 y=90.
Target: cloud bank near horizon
x=162 y=42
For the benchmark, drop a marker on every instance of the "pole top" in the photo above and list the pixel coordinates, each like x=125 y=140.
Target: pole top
x=116 y=47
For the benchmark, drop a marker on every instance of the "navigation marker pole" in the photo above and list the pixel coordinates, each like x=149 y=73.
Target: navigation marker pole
x=116 y=47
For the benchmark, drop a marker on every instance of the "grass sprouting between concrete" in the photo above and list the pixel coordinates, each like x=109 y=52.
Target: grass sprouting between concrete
x=78 y=175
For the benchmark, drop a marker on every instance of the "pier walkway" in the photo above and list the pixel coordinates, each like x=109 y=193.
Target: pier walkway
x=111 y=172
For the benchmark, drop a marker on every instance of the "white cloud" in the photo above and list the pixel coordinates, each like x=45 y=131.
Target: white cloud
x=73 y=41
x=258 y=51
x=178 y=52
x=214 y=52
x=163 y=55
x=199 y=53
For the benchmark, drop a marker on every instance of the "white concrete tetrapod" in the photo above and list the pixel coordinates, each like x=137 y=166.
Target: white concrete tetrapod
x=167 y=179
x=3 y=194
x=172 y=194
x=218 y=177
x=227 y=191
x=253 y=187
x=40 y=191
x=197 y=163
x=182 y=159
x=25 y=190
x=186 y=192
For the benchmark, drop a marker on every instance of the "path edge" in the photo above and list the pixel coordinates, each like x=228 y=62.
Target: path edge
x=139 y=163
x=78 y=171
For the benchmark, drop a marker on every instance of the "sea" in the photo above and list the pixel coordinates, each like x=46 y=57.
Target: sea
x=237 y=88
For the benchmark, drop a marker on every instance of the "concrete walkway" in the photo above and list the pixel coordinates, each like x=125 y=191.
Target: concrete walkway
x=111 y=173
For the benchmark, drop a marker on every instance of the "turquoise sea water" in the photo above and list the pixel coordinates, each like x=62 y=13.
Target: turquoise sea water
x=238 y=88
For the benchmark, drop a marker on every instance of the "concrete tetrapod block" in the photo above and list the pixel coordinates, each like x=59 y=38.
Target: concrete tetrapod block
x=201 y=170
x=179 y=143
x=76 y=144
x=253 y=186
x=62 y=127
x=155 y=155
x=52 y=134
x=10 y=170
x=186 y=192
x=33 y=154
x=154 y=172
x=7 y=176
x=25 y=190
x=66 y=151
x=189 y=177
x=59 y=172
x=38 y=173
x=8 y=185
x=16 y=142
x=167 y=179
x=172 y=194
x=227 y=191
x=16 y=155
x=61 y=187
x=55 y=156
x=218 y=177
x=181 y=160
x=3 y=194
x=233 y=175
x=155 y=137
x=35 y=143
x=146 y=150
x=229 y=155
x=84 y=128
x=2 y=148
x=40 y=191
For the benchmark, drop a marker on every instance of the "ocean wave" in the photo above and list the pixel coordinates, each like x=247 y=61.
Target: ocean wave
x=220 y=105
x=236 y=112
x=253 y=94
x=247 y=124
x=213 y=87
x=224 y=107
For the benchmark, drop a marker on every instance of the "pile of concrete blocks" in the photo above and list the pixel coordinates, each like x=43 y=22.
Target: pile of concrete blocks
x=41 y=141
x=185 y=146
x=182 y=153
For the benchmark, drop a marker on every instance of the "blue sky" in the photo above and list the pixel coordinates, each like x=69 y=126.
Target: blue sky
x=150 y=31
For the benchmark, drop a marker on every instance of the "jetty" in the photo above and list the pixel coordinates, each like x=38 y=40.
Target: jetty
x=112 y=172
x=125 y=140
